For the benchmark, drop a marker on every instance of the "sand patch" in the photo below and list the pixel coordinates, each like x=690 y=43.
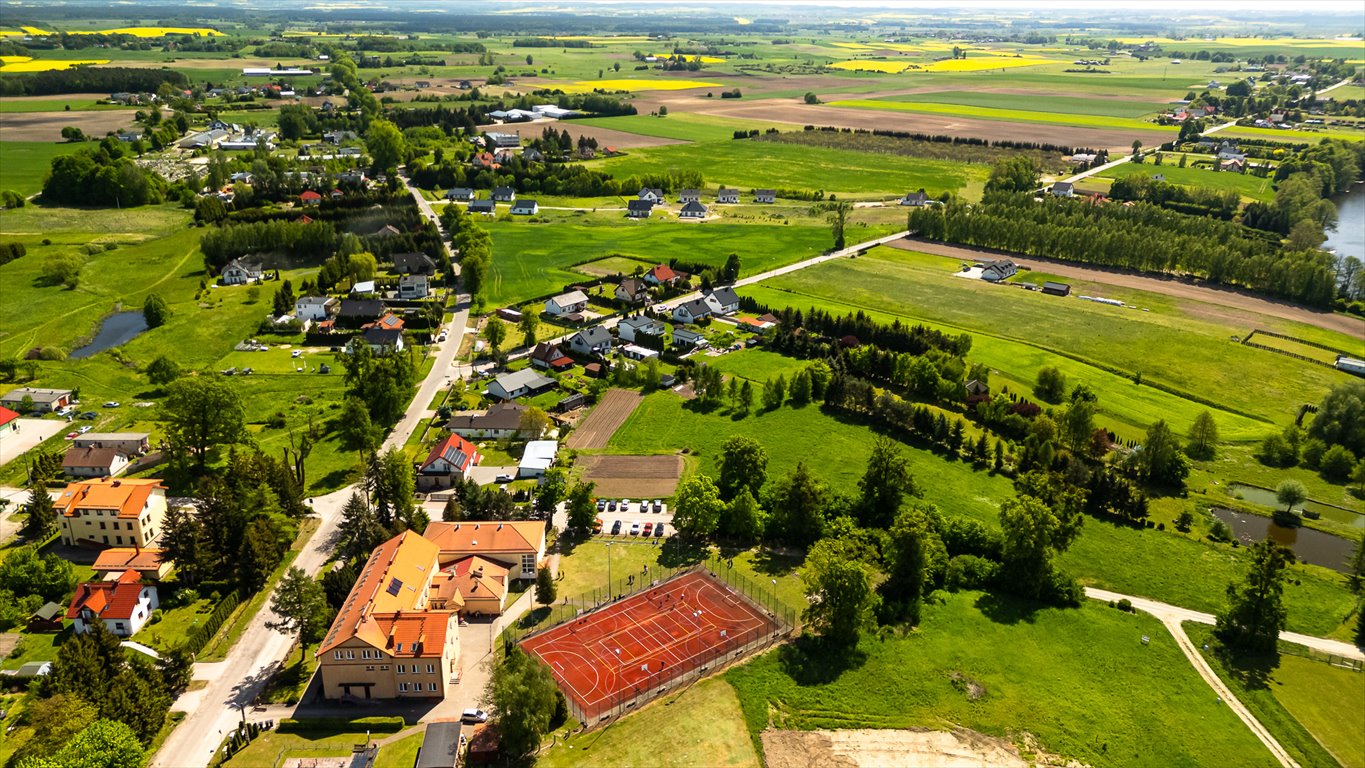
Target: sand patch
x=877 y=748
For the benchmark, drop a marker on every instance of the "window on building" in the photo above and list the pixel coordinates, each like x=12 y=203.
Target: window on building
x=528 y=563
x=118 y=626
x=369 y=667
x=337 y=655
x=402 y=668
x=383 y=667
x=432 y=686
x=101 y=525
x=403 y=687
x=431 y=669
x=350 y=654
x=398 y=648
x=118 y=539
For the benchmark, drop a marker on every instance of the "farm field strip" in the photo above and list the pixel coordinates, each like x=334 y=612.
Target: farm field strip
x=1078 y=105
x=1002 y=115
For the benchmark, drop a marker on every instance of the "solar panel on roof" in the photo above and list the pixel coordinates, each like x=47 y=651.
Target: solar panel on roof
x=394 y=587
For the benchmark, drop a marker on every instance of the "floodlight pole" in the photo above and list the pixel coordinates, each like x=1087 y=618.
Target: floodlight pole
x=608 y=571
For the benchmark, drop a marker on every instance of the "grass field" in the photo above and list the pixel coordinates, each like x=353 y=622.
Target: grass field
x=1005 y=115
x=401 y=753
x=1075 y=105
x=1291 y=136
x=13 y=106
x=677 y=125
x=701 y=726
x=1294 y=347
x=613 y=265
x=757 y=365
x=634 y=84
x=24 y=164
x=1246 y=185
x=531 y=260
x=750 y=164
x=1078 y=680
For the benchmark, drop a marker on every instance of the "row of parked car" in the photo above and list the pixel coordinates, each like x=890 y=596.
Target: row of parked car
x=637 y=528
x=612 y=505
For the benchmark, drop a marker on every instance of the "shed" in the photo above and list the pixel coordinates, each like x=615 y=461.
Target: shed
x=537 y=458
x=1056 y=289
x=440 y=746
x=49 y=618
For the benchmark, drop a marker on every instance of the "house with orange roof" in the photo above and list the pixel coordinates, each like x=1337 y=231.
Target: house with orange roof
x=9 y=422
x=124 y=604
x=149 y=563
x=112 y=512
x=518 y=546
x=395 y=636
x=449 y=460
x=480 y=584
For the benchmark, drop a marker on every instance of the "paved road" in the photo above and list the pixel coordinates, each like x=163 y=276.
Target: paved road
x=236 y=681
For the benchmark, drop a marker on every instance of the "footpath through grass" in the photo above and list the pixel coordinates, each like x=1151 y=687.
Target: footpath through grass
x=1080 y=680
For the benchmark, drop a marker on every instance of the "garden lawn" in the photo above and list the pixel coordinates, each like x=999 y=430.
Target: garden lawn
x=1246 y=185
x=536 y=260
x=401 y=753
x=585 y=568
x=175 y=623
x=701 y=726
x=267 y=749
x=1079 y=680
x=1005 y=115
x=757 y=365
x=757 y=164
x=24 y=164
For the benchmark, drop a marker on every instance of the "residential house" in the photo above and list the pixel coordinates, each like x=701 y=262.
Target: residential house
x=150 y=562
x=239 y=272
x=636 y=352
x=689 y=312
x=693 y=210
x=518 y=546
x=639 y=209
x=634 y=328
x=486 y=207
x=1056 y=289
x=591 y=341
x=364 y=288
x=422 y=84
x=382 y=341
x=1082 y=159
x=316 y=308
x=1227 y=150
x=414 y=264
x=550 y=356
x=532 y=155
x=354 y=177
x=504 y=194
x=915 y=199
x=727 y=196
x=449 y=460
x=686 y=338
x=387 y=231
x=413 y=287
x=40 y=400
x=662 y=274
x=485 y=160
x=632 y=290
x=722 y=301
x=93 y=462
x=998 y=270
x=753 y=325
x=336 y=137
x=9 y=422
x=460 y=194
x=389 y=640
x=502 y=420
x=1235 y=165
x=689 y=196
x=525 y=208
x=124 y=604
x=650 y=195
x=309 y=197
x=566 y=303
x=357 y=311
x=511 y=385
x=1062 y=189
x=538 y=456
x=112 y=511
x=765 y=196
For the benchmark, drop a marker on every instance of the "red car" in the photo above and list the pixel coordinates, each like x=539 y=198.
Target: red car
x=649 y=528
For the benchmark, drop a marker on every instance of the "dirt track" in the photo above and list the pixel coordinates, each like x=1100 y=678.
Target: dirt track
x=632 y=477
x=1208 y=294
x=596 y=430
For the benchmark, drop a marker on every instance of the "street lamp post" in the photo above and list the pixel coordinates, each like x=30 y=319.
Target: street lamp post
x=608 y=571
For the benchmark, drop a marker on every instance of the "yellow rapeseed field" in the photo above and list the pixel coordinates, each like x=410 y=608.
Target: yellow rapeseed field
x=865 y=65
x=45 y=65
x=980 y=63
x=584 y=86
x=151 y=31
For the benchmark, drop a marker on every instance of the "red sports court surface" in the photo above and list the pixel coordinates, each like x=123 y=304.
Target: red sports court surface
x=646 y=640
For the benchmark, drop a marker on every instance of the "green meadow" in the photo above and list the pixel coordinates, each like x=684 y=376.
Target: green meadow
x=1244 y=184
x=24 y=164
x=1068 y=105
x=683 y=126
x=75 y=104
x=752 y=164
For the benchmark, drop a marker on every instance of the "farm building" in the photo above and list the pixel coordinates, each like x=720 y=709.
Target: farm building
x=537 y=458
x=40 y=400
x=1350 y=365
x=1056 y=289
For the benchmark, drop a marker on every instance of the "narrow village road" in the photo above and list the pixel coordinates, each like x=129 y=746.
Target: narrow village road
x=236 y=681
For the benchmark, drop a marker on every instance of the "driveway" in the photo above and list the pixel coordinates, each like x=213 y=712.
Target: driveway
x=31 y=432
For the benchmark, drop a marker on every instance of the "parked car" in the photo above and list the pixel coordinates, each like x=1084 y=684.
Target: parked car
x=84 y=429
x=601 y=505
x=635 y=529
x=503 y=479
x=111 y=404
x=296 y=353
x=648 y=529
x=90 y=415
x=625 y=505
x=611 y=505
x=616 y=528
x=597 y=525
x=474 y=716
x=659 y=532
x=72 y=435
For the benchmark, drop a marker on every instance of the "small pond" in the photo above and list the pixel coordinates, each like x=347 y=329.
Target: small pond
x=1266 y=498
x=118 y=328
x=1307 y=544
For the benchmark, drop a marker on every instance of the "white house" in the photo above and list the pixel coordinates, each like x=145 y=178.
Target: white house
x=316 y=308
x=689 y=196
x=124 y=605
x=502 y=420
x=510 y=386
x=566 y=303
x=722 y=301
x=693 y=210
x=639 y=209
x=915 y=198
x=632 y=290
x=690 y=312
x=126 y=443
x=413 y=287
x=651 y=195
x=685 y=337
x=449 y=460
x=591 y=341
x=537 y=458
x=238 y=272
x=93 y=462
x=765 y=196
x=633 y=328
x=525 y=208
x=727 y=196
x=998 y=270
x=1062 y=189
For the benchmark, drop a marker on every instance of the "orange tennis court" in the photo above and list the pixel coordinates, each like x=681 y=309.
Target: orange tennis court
x=610 y=659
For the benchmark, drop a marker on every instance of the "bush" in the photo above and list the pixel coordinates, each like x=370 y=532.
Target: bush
x=1336 y=463
x=970 y=572
x=1125 y=605
x=377 y=724
x=157 y=616
x=1219 y=531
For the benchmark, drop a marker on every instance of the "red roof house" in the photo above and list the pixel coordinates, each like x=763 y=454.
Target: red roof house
x=310 y=197
x=661 y=274
x=547 y=355
x=9 y=421
x=124 y=604
x=450 y=459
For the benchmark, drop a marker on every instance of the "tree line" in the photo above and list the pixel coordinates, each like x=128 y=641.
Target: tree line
x=91 y=80
x=102 y=176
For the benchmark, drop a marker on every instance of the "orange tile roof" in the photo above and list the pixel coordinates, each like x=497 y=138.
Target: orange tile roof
x=122 y=558
x=482 y=537
x=394 y=579
x=475 y=577
x=126 y=496
x=108 y=599
x=415 y=635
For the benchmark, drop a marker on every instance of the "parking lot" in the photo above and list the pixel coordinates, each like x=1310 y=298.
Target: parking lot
x=633 y=514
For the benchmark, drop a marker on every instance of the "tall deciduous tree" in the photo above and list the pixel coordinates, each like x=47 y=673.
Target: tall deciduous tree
x=301 y=605
x=743 y=466
x=697 y=507
x=155 y=311
x=907 y=559
x=162 y=371
x=884 y=484
x=1033 y=534
x=1203 y=439
x=580 y=507
x=1255 y=614
x=386 y=146
x=796 y=508
x=203 y=414
x=742 y=519
x=522 y=697
x=838 y=584
x=495 y=333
